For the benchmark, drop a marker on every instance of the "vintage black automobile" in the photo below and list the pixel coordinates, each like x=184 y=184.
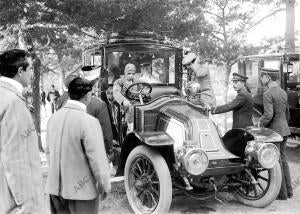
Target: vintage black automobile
x=288 y=65
x=175 y=146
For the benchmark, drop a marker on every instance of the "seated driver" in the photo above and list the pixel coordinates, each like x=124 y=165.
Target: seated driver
x=119 y=90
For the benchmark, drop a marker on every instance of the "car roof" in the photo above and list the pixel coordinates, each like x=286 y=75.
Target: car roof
x=134 y=39
x=260 y=56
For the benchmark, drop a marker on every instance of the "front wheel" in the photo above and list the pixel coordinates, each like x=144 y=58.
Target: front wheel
x=147 y=181
x=264 y=191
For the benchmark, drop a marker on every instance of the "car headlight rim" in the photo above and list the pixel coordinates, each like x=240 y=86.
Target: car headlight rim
x=268 y=155
x=195 y=161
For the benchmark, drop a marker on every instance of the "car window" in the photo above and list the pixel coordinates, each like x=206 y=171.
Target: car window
x=93 y=59
x=293 y=80
x=252 y=73
x=160 y=68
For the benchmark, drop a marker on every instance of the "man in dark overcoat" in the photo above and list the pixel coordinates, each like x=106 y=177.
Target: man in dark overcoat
x=241 y=106
x=52 y=97
x=275 y=117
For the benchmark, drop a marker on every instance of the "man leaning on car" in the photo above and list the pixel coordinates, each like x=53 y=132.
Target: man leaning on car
x=200 y=74
x=241 y=105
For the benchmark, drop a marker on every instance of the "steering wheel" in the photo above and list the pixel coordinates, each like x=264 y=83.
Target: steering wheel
x=138 y=91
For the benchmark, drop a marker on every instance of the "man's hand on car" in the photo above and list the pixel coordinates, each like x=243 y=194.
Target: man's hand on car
x=207 y=106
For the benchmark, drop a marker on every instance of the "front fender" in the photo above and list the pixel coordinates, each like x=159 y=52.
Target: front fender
x=160 y=141
x=155 y=138
x=265 y=134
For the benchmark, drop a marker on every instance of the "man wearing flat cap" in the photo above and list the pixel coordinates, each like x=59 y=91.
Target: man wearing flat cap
x=201 y=75
x=78 y=166
x=241 y=106
x=119 y=89
x=275 y=117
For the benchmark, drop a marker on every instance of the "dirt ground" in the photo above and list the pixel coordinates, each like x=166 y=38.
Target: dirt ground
x=117 y=202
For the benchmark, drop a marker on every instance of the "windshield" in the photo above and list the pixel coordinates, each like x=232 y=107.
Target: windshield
x=153 y=68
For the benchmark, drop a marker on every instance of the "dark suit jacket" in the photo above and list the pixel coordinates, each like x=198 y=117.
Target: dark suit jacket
x=241 y=106
x=55 y=94
x=276 y=110
x=98 y=109
x=62 y=100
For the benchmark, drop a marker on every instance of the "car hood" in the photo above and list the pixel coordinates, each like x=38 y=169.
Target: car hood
x=200 y=130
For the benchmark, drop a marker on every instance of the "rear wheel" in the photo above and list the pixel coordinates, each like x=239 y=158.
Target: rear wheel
x=264 y=190
x=147 y=181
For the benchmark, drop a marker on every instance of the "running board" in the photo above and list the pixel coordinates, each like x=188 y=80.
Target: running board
x=116 y=179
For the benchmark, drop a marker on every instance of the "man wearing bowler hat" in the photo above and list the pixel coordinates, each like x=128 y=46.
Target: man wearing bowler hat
x=275 y=117
x=241 y=106
x=201 y=75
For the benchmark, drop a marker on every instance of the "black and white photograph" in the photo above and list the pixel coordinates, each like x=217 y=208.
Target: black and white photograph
x=149 y=106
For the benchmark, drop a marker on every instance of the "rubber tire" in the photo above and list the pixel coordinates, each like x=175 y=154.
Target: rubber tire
x=270 y=196
x=163 y=173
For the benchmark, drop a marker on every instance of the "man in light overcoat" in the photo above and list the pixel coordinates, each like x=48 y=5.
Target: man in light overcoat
x=79 y=169
x=200 y=74
x=20 y=166
x=96 y=108
x=275 y=117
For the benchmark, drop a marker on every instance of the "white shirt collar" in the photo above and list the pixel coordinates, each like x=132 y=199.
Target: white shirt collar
x=14 y=83
x=77 y=103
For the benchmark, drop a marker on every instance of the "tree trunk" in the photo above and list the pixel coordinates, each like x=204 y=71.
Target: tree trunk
x=37 y=98
x=62 y=74
x=62 y=80
x=290 y=26
x=25 y=43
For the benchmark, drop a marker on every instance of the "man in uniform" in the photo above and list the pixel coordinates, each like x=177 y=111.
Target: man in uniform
x=200 y=74
x=78 y=166
x=275 y=117
x=241 y=106
x=21 y=187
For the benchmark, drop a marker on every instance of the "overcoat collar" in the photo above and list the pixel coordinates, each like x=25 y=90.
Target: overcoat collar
x=11 y=88
x=75 y=105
